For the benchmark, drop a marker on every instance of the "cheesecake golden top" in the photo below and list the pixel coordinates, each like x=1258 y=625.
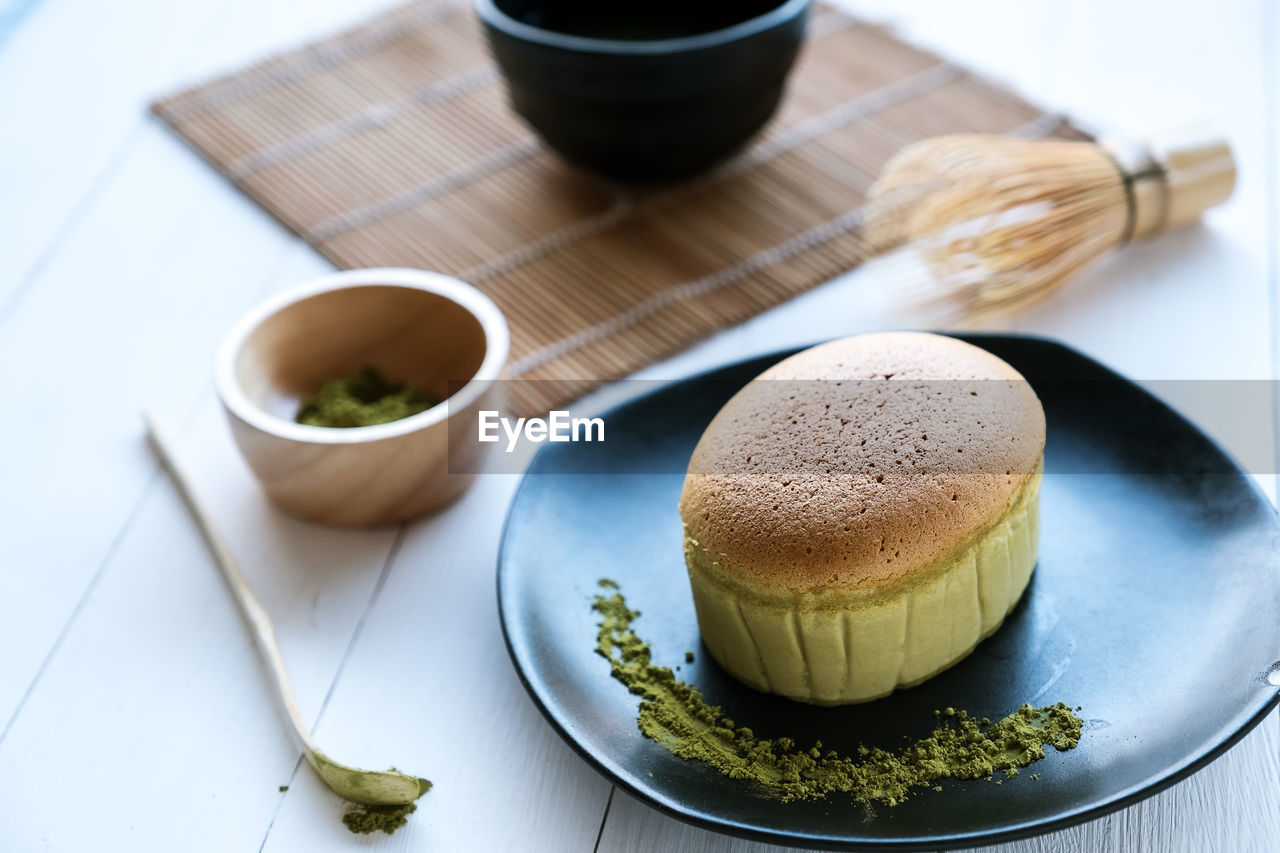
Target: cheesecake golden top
x=859 y=463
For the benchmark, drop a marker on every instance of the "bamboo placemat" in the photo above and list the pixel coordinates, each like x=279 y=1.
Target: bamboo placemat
x=392 y=145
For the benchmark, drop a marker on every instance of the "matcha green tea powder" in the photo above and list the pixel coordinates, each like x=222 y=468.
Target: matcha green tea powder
x=362 y=399
x=364 y=820
x=676 y=716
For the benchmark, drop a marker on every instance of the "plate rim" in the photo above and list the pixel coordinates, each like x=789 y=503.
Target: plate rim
x=1119 y=801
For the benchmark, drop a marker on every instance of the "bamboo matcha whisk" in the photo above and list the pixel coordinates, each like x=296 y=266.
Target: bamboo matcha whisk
x=1002 y=221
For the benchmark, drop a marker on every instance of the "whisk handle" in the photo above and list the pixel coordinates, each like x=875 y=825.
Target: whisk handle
x=1173 y=176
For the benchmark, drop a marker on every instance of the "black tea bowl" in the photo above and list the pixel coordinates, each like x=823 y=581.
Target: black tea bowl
x=656 y=90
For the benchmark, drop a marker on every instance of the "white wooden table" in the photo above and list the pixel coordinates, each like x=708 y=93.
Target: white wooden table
x=133 y=712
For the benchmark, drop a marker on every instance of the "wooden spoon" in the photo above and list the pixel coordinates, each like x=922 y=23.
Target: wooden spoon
x=370 y=787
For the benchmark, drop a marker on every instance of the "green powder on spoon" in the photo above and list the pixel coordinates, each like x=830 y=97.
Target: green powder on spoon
x=367 y=819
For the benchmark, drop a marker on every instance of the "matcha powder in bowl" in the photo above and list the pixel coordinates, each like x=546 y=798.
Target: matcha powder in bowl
x=676 y=716
x=362 y=399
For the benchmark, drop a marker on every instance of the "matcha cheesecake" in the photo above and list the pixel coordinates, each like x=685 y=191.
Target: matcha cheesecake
x=862 y=514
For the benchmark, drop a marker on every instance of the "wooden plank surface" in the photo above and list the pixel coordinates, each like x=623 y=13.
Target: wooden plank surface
x=111 y=300
x=127 y=685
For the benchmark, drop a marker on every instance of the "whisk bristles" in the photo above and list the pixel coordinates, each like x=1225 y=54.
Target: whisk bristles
x=1000 y=222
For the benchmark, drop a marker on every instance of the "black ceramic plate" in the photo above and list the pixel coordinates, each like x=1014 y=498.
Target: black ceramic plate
x=1155 y=606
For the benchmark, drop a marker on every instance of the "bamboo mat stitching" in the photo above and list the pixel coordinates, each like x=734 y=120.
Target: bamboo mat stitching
x=688 y=290
x=371 y=117
x=382 y=114
x=893 y=93
x=558 y=342
x=321 y=56
x=379 y=115
x=844 y=223
x=360 y=217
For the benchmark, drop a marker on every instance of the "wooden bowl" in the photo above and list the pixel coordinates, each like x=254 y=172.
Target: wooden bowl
x=430 y=330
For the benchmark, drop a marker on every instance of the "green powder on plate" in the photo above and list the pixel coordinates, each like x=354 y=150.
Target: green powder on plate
x=675 y=715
